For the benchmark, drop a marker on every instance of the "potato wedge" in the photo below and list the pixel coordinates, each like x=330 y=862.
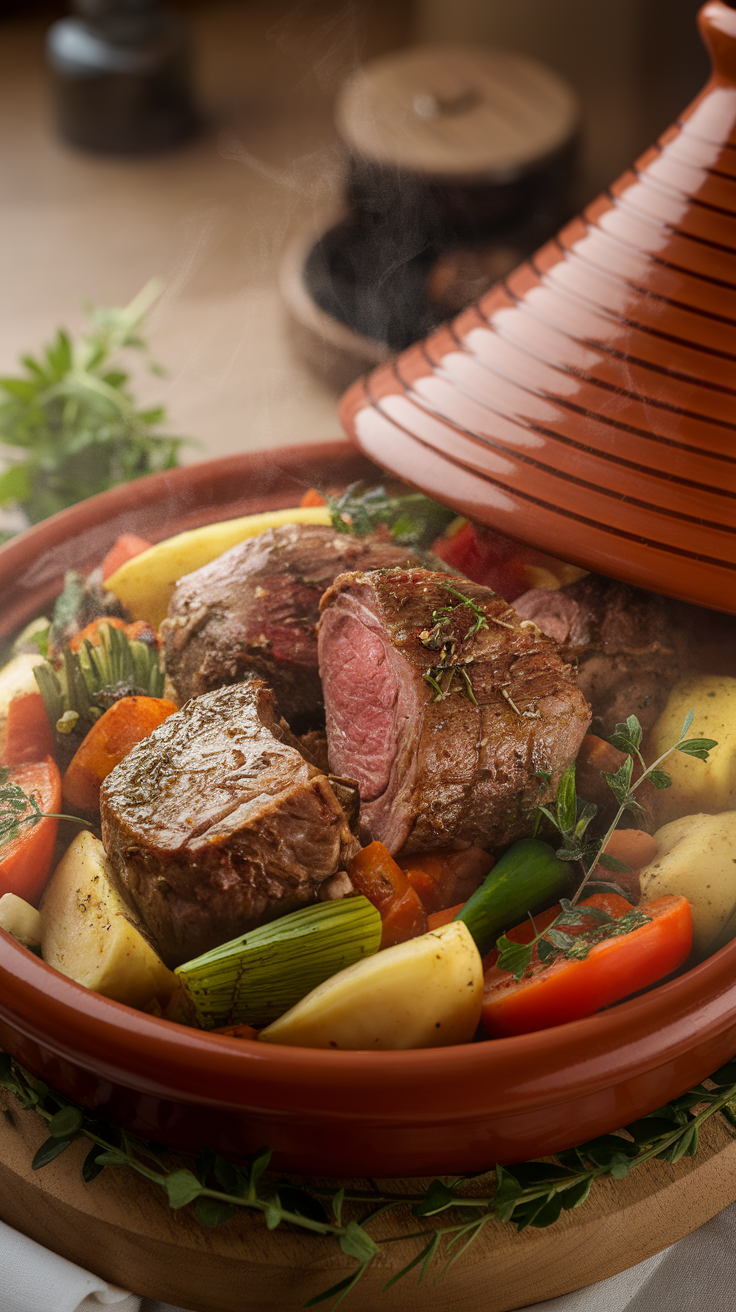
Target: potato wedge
x=698 y=786
x=20 y=919
x=697 y=858
x=88 y=933
x=425 y=993
x=144 y=584
x=15 y=678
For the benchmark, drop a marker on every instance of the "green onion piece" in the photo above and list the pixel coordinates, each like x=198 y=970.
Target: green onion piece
x=256 y=978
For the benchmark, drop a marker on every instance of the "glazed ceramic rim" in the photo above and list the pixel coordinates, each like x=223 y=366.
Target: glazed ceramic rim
x=538 y=1070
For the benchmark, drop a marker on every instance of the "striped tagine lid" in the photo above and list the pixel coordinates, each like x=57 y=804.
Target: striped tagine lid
x=587 y=404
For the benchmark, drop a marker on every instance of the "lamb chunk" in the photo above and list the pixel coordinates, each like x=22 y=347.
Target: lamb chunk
x=628 y=645
x=217 y=825
x=255 y=610
x=457 y=770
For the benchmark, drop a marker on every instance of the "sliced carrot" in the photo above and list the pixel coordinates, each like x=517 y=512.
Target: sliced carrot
x=443 y=917
x=137 y=631
x=567 y=989
x=123 y=549
x=376 y=875
x=237 y=1031
x=313 y=498
x=28 y=735
x=426 y=887
x=444 y=878
x=595 y=757
x=25 y=861
x=126 y=723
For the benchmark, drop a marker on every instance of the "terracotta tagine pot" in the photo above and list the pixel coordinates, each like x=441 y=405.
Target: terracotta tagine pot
x=587 y=403
x=325 y=1112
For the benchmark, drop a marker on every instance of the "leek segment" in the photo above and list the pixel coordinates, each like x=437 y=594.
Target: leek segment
x=256 y=978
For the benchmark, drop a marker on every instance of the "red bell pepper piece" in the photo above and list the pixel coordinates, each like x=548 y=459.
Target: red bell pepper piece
x=568 y=989
x=123 y=549
x=25 y=861
x=28 y=734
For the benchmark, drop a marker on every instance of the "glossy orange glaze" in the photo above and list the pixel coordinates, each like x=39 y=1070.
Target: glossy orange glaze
x=587 y=404
x=393 y=1113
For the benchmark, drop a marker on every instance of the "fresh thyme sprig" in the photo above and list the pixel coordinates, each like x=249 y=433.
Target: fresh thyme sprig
x=20 y=810
x=525 y=1194
x=627 y=738
x=552 y=941
x=571 y=817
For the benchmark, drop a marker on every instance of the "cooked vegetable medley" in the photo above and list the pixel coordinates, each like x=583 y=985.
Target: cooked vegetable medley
x=359 y=775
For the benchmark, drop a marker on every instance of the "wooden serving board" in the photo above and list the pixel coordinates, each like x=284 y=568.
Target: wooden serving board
x=121 y=1228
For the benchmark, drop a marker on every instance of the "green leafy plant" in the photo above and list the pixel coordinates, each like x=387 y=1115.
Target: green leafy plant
x=70 y=423
x=413 y=519
x=525 y=1194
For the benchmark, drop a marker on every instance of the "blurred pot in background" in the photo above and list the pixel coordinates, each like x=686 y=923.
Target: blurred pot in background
x=120 y=75
x=459 y=163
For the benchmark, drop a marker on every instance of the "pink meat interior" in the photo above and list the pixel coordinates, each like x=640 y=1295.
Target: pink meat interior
x=360 y=689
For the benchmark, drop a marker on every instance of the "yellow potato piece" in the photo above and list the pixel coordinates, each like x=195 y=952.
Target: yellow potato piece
x=20 y=919
x=697 y=859
x=698 y=785
x=144 y=584
x=88 y=934
x=426 y=993
x=15 y=678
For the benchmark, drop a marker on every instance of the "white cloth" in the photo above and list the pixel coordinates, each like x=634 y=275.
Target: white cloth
x=698 y=1274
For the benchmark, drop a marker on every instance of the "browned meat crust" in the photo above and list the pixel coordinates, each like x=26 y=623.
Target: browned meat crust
x=214 y=824
x=255 y=610
x=457 y=771
x=629 y=647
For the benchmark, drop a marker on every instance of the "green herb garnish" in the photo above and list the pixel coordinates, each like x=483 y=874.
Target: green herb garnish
x=413 y=519
x=451 y=658
x=527 y=1193
x=571 y=817
x=20 y=810
x=71 y=421
x=553 y=943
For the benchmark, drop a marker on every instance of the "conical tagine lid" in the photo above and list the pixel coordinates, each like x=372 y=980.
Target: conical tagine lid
x=587 y=405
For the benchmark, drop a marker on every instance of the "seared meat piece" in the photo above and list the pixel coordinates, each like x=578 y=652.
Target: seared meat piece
x=629 y=647
x=214 y=825
x=255 y=610
x=454 y=768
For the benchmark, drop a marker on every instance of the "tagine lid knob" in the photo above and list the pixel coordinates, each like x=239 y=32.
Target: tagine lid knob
x=457 y=112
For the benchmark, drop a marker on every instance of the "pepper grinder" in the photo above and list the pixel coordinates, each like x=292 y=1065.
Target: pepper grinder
x=121 y=77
